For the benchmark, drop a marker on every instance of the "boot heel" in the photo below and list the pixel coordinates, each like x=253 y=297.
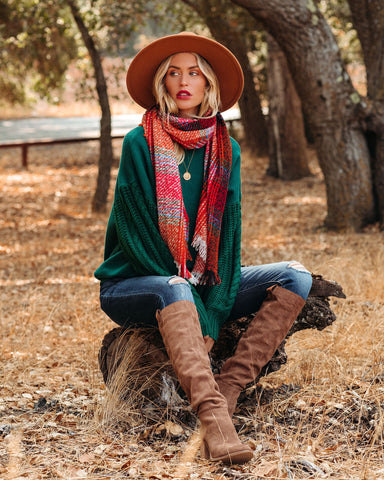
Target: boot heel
x=204 y=451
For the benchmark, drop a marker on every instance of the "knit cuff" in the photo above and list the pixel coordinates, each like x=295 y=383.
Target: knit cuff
x=214 y=321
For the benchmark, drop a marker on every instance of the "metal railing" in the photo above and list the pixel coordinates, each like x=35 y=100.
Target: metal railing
x=24 y=145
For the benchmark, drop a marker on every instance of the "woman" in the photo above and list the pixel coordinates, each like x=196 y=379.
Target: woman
x=172 y=250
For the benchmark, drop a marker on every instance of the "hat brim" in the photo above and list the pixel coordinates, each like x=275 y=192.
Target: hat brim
x=144 y=65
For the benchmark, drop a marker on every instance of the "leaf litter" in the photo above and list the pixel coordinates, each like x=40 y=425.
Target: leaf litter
x=319 y=417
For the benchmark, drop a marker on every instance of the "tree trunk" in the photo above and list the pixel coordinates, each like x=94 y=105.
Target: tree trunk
x=288 y=158
x=374 y=123
x=253 y=120
x=330 y=104
x=368 y=20
x=99 y=200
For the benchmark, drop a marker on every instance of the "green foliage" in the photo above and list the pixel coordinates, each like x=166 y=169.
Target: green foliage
x=338 y=16
x=36 y=45
x=38 y=38
x=112 y=22
x=38 y=41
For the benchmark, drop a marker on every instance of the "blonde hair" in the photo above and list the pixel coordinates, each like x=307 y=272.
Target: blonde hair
x=211 y=101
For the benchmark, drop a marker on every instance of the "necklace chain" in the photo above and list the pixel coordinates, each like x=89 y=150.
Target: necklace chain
x=186 y=174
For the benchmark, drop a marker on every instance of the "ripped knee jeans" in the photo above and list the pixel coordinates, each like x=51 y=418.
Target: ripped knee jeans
x=134 y=301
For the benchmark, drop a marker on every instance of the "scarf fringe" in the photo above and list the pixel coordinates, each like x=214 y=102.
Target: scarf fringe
x=200 y=245
x=207 y=278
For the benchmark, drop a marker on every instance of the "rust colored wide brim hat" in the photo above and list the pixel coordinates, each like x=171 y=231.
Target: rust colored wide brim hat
x=144 y=65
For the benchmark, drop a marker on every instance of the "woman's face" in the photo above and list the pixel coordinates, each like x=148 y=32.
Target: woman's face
x=185 y=83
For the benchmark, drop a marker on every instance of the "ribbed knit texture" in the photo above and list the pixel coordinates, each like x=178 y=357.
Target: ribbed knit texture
x=134 y=246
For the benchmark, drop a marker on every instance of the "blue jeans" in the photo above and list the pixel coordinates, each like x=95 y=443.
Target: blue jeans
x=134 y=301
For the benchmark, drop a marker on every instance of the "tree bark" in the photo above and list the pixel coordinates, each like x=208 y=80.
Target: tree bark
x=253 y=120
x=99 y=200
x=368 y=20
x=330 y=103
x=288 y=158
x=252 y=117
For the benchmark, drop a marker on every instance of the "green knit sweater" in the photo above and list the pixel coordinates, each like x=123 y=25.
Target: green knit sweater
x=133 y=244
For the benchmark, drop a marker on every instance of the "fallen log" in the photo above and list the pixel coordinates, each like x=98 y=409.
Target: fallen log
x=134 y=362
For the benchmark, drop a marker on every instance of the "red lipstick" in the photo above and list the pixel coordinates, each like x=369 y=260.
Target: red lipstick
x=183 y=94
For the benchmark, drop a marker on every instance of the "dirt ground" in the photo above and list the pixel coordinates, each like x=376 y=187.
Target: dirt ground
x=325 y=416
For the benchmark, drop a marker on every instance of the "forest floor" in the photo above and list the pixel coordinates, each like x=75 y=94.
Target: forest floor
x=326 y=419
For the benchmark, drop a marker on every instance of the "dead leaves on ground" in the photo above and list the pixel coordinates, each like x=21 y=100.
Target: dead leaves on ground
x=51 y=387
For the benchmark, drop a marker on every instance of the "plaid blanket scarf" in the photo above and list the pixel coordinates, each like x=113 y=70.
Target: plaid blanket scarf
x=160 y=132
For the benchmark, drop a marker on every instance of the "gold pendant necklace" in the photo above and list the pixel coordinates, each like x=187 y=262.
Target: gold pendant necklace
x=186 y=174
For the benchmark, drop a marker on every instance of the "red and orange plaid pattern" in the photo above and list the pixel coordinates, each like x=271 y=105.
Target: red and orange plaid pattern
x=160 y=132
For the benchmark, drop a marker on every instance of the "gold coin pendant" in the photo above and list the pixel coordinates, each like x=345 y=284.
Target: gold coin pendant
x=186 y=176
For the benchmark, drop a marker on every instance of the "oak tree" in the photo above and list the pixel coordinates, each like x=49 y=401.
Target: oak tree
x=347 y=128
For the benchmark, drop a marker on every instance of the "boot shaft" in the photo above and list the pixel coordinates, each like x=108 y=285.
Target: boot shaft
x=256 y=347
x=180 y=328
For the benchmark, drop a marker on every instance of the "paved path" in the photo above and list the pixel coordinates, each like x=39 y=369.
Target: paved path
x=72 y=127
x=55 y=128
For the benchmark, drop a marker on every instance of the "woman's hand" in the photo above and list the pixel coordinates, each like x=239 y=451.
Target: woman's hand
x=209 y=342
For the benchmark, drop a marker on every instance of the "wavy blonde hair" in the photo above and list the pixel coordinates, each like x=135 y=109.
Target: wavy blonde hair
x=209 y=106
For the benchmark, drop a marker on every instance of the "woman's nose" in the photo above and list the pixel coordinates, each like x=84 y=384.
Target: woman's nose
x=183 y=79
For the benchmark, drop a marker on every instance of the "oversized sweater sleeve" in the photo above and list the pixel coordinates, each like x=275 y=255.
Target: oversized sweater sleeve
x=138 y=234
x=135 y=213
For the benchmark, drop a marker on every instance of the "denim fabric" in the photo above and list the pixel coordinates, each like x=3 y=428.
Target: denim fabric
x=256 y=279
x=134 y=301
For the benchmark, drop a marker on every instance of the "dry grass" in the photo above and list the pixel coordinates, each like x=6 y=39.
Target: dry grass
x=53 y=416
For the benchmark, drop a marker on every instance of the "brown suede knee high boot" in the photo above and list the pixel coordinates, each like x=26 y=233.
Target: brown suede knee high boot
x=180 y=328
x=256 y=347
